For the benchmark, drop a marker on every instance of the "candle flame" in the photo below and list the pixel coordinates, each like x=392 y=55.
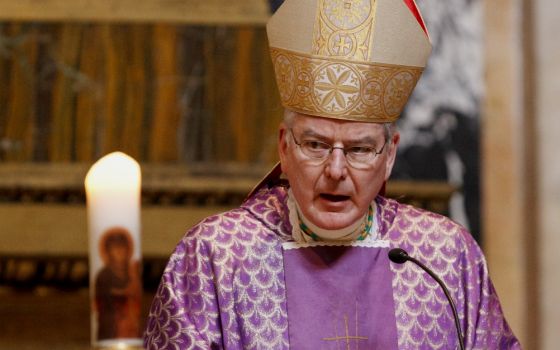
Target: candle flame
x=114 y=171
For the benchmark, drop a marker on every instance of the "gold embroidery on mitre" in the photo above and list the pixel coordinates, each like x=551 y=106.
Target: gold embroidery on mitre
x=338 y=88
x=344 y=28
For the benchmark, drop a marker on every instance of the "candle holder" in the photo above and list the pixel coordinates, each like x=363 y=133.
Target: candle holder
x=118 y=346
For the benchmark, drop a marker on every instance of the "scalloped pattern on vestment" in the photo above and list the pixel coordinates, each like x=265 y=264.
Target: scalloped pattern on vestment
x=424 y=317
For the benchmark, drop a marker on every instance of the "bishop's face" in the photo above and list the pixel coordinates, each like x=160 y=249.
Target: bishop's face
x=333 y=194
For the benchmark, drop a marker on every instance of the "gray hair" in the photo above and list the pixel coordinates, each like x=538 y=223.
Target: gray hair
x=389 y=128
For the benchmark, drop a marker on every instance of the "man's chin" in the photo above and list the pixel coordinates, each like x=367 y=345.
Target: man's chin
x=333 y=220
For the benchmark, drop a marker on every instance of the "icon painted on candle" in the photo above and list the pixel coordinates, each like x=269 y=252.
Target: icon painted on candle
x=117 y=287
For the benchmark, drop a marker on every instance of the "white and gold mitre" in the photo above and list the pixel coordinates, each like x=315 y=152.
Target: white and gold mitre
x=348 y=59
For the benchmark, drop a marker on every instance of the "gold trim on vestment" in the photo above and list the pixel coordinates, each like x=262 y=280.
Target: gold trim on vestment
x=343 y=89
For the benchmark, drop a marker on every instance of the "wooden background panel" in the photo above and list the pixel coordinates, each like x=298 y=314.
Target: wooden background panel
x=178 y=11
x=159 y=92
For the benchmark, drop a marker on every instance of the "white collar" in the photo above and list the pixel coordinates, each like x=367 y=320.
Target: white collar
x=346 y=234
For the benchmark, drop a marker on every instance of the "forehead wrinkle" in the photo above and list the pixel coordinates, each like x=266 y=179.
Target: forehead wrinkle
x=362 y=134
x=364 y=140
x=338 y=130
x=368 y=139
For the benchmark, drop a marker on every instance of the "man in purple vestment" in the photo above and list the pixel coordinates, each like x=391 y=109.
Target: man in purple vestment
x=302 y=263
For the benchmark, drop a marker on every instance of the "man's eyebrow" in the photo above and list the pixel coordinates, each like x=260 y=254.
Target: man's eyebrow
x=364 y=140
x=367 y=140
x=311 y=133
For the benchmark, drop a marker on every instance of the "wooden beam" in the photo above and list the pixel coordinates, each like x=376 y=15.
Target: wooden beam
x=232 y=181
x=61 y=229
x=199 y=12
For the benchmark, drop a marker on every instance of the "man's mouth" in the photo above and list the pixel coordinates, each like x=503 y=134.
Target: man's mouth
x=334 y=197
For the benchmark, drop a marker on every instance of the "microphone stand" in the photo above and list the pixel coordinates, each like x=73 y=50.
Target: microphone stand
x=400 y=256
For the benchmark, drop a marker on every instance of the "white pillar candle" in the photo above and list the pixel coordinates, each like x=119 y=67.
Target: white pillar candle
x=113 y=205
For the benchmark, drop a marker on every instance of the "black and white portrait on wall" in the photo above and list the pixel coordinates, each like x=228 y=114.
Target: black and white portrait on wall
x=441 y=124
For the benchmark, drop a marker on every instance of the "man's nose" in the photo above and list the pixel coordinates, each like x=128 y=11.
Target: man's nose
x=337 y=168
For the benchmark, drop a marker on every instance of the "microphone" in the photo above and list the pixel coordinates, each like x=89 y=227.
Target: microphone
x=400 y=256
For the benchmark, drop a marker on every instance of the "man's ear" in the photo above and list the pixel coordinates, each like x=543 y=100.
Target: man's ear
x=391 y=154
x=282 y=144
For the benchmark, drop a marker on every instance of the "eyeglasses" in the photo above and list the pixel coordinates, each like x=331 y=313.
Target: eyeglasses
x=358 y=156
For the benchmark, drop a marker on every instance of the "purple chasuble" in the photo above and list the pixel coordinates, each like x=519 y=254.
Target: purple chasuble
x=339 y=297
x=230 y=285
